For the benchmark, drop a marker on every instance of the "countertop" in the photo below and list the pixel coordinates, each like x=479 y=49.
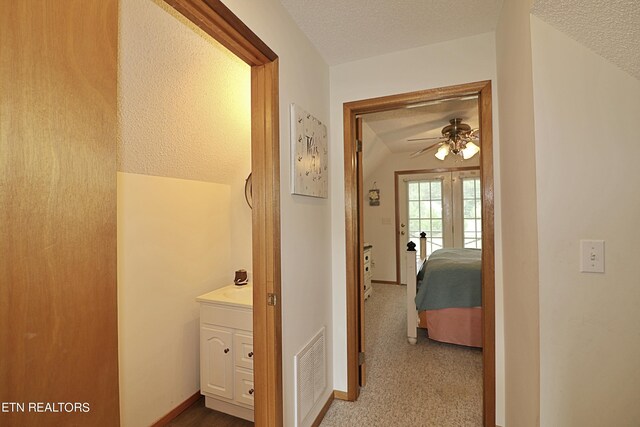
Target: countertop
x=238 y=296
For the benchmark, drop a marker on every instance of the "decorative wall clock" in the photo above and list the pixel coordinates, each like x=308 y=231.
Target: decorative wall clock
x=309 y=152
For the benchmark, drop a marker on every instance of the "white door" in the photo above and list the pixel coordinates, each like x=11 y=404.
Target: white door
x=216 y=365
x=467 y=209
x=424 y=206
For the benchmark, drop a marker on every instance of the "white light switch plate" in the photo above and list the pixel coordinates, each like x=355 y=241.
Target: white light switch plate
x=592 y=256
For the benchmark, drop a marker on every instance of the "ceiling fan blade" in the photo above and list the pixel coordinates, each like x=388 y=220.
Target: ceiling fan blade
x=427 y=139
x=424 y=150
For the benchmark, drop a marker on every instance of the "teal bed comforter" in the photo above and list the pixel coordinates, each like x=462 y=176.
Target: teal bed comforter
x=450 y=278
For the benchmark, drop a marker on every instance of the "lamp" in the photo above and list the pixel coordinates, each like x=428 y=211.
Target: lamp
x=443 y=151
x=465 y=149
x=470 y=150
x=457 y=138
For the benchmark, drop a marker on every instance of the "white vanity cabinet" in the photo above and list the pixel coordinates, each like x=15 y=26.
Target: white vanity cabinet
x=226 y=351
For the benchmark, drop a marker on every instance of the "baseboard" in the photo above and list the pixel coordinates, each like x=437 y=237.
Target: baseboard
x=340 y=395
x=386 y=282
x=177 y=411
x=323 y=411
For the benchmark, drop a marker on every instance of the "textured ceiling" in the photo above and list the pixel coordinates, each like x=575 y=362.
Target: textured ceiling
x=395 y=127
x=172 y=81
x=345 y=31
x=611 y=28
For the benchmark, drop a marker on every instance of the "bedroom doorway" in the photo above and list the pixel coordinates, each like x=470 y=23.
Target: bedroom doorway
x=354 y=240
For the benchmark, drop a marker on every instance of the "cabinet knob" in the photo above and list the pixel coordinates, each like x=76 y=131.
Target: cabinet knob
x=250 y=354
x=251 y=391
x=226 y=350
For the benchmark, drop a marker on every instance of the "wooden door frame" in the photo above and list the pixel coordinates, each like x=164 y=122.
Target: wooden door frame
x=219 y=22
x=350 y=110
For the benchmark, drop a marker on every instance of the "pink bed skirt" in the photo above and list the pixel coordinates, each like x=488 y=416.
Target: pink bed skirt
x=454 y=325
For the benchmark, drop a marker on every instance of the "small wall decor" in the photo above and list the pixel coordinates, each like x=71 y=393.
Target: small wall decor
x=374 y=196
x=309 y=151
x=248 y=191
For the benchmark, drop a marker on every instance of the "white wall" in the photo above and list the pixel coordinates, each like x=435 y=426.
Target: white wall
x=374 y=152
x=306 y=234
x=519 y=217
x=173 y=81
x=587 y=146
x=379 y=221
x=171 y=248
x=459 y=61
x=183 y=225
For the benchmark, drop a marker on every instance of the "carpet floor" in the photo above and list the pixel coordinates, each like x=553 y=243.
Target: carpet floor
x=427 y=384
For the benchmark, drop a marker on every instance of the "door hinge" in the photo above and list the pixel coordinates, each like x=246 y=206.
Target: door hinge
x=361 y=358
x=272 y=299
x=358 y=146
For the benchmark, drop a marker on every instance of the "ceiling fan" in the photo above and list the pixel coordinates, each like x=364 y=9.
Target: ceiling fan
x=457 y=138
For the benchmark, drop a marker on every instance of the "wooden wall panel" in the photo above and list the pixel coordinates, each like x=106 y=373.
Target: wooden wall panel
x=58 y=129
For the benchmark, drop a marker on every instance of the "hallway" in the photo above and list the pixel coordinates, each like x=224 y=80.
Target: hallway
x=429 y=384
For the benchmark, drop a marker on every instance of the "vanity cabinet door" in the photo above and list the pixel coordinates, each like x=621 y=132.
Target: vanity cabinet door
x=216 y=361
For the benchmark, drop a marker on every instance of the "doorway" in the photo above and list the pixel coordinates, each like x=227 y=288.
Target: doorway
x=221 y=24
x=354 y=243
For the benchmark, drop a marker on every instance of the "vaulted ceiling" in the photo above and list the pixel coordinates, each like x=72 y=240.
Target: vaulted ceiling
x=396 y=128
x=610 y=28
x=345 y=31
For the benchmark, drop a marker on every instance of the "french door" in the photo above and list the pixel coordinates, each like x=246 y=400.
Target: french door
x=446 y=206
x=467 y=206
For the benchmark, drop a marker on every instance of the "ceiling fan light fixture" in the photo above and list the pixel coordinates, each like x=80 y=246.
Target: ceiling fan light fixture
x=470 y=150
x=443 y=151
x=456 y=139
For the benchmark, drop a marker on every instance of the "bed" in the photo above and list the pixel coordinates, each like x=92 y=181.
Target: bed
x=446 y=297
